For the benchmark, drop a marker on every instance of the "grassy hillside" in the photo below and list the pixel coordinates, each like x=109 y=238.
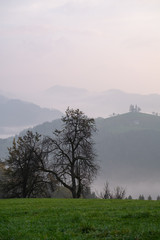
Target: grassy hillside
x=55 y=219
x=132 y=121
x=130 y=139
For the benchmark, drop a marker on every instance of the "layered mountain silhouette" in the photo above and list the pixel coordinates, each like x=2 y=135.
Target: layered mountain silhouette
x=100 y=104
x=127 y=148
x=19 y=114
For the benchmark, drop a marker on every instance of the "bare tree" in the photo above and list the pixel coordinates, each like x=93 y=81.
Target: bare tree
x=70 y=156
x=106 y=192
x=119 y=193
x=22 y=174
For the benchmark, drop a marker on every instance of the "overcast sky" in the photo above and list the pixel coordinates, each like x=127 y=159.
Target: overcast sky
x=92 y=44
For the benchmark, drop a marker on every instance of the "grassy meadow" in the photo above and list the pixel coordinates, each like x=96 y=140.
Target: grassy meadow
x=66 y=219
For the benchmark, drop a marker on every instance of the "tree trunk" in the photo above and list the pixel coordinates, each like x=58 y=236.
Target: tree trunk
x=74 y=194
x=79 y=192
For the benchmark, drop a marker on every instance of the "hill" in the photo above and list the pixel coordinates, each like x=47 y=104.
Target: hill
x=98 y=104
x=131 y=121
x=128 y=146
x=128 y=149
x=19 y=114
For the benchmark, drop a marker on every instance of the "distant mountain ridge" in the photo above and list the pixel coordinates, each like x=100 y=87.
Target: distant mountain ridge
x=128 y=150
x=16 y=113
x=100 y=104
x=93 y=103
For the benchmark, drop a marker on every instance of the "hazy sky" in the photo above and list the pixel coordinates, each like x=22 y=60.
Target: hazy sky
x=93 y=44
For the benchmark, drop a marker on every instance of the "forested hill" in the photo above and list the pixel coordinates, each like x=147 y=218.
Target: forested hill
x=132 y=138
x=128 y=122
x=128 y=148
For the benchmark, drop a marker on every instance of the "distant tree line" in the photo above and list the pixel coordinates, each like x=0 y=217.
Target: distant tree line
x=119 y=193
x=107 y=193
x=36 y=166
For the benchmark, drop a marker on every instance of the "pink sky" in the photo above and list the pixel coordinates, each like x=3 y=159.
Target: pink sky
x=94 y=44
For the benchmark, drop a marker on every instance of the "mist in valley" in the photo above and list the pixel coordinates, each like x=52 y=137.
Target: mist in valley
x=98 y=56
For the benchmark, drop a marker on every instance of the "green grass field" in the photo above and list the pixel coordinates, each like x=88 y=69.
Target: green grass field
x=54 y=219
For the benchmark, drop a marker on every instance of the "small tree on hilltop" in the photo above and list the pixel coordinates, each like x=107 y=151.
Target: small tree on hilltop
x=133 y=108
x=71 y=157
